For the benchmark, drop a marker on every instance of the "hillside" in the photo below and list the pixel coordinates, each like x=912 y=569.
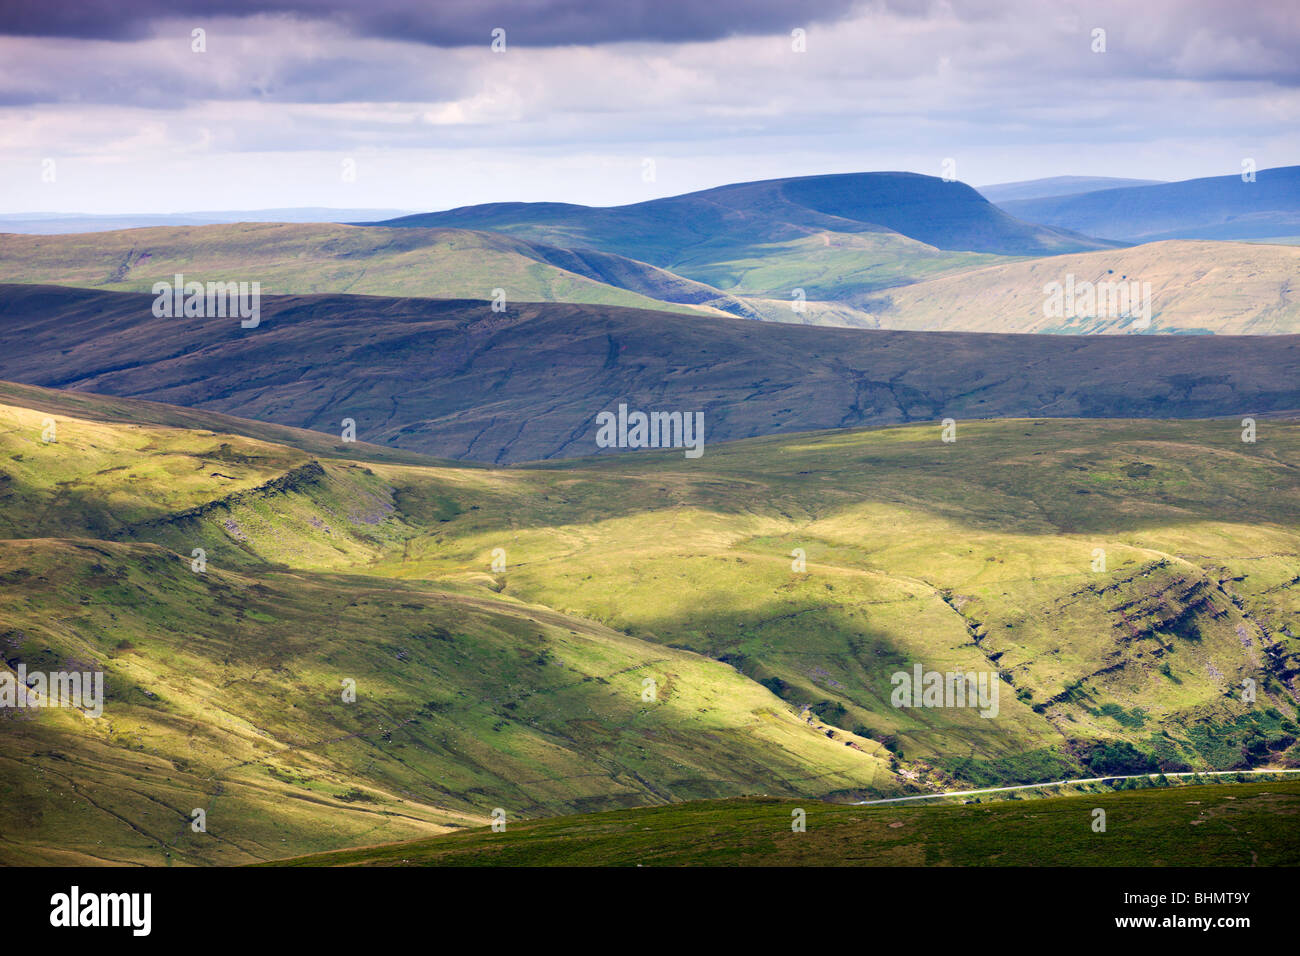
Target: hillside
x=681 y=230
x=523 y=687
x=528 y=383
x=307 y=258
x=1224 y=288
x=891 y=227
x=1217 y=207
x=223 y=687
x=742 y=249
x=104 y=408
x=848 y=280
x=1201 y=826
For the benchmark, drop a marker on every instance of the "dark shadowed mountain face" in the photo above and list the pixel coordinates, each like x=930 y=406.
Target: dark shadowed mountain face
x=454 y=379
x=1220 y=207
x=720 y=224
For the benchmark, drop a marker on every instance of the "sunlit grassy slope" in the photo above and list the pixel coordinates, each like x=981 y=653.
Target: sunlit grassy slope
x=225 y=686
x=832 y=268
x=832 y=265
x=323 y=257
x=1250 y=824
x=524 y=686
x=1195 y=287
x=972 y=555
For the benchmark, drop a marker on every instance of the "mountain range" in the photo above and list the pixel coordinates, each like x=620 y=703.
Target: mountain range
x=877 y=250
x=1057 y=186
x=362 y=572
x=1253 y=205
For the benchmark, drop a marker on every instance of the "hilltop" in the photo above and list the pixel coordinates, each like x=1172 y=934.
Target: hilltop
x=835 y=236
x=862 y=250
x=681 y=232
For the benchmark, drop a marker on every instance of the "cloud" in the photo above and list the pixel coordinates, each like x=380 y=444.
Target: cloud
x=442 y=23
x=1010 y=90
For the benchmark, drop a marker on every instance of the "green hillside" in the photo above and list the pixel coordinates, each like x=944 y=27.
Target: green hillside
x=455 y=263
x=871 y=250
x=832 y=266
x=224 y=686
x=682 y=232
x=522 y=687
x=1223 y=825
x=837 y=237
x=322 y=257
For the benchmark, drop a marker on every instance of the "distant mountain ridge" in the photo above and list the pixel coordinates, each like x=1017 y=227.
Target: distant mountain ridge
x=1217 y=207
x=683 y=232
x=858 y=250
x=1057 y=186
x=53 y=224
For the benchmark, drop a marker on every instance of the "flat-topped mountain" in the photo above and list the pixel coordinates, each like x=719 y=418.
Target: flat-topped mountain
x=685 y=232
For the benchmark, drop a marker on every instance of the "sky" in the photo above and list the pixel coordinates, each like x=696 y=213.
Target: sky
x=115 y=106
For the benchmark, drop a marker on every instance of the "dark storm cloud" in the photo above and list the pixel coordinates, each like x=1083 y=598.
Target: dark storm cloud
x=446 y=23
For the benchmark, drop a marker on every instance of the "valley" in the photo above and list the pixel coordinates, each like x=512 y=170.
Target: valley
x=500 y=624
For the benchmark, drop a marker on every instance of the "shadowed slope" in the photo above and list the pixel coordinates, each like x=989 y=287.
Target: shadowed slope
x=455 y=379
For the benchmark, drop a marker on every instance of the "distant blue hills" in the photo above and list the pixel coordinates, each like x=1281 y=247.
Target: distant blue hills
x=1218 y=207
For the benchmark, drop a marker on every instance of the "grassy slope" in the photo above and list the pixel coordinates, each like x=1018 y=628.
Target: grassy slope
x=133 y=411
x=741 y=250
x=1222 y=287
x=459 y=263
x=305 y=258
x=1251 y=824
x=522 y=689
x=838 y=238
x=224 y=686
x=833 y=266
x=955 y=555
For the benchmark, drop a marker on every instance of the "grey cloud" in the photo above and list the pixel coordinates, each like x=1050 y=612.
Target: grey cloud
x=446 y=23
